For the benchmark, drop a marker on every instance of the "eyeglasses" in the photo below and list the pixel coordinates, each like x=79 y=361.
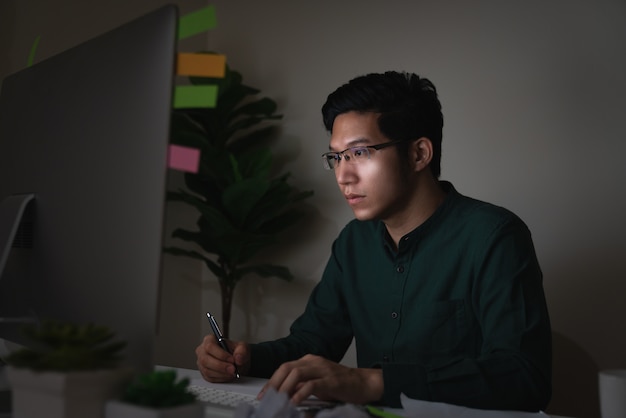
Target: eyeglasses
x=352 y=155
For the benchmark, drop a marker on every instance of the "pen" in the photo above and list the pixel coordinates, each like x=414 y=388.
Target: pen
x=220 y=338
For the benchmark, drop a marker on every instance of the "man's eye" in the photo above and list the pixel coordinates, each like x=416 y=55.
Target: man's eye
x=359 y=152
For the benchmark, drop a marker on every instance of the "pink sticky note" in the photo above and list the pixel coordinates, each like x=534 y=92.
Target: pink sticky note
x=184 y=158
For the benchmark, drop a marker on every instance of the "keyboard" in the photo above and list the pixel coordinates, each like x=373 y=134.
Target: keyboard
x=220 y=403
x=222 y=398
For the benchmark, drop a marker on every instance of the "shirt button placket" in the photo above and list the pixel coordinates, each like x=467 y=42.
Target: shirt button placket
x=397 y=288
x=400 y=273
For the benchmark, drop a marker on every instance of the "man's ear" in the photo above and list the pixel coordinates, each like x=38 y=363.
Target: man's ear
x=422 y=153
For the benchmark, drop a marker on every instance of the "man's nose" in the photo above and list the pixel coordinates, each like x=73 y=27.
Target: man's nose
x=344 y=172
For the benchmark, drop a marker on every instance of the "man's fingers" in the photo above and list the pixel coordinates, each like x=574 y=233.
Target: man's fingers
x=215 y=370
x=290 y=382
x=213 y=377
x=296 y=378
x=299 y=383
x=302 y=391
x=277 y=379
x=214 y=363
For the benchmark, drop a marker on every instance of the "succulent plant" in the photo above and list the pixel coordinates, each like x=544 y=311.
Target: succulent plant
x=63 y=346
x=158 y=389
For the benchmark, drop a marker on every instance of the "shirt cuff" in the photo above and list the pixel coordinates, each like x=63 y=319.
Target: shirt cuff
x=402 y=378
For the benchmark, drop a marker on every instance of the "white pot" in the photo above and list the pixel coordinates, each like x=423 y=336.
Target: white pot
x=78 y=394
x=119 y=409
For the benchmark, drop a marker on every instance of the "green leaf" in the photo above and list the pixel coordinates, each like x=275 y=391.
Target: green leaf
x=266 y=270
x=213 y=266
x=257 y=163
x=235 y=167
x=241 y=124
x=264 y=106
x=208 y=243
x=240 y=198
x=158 y=389
x=251 y=141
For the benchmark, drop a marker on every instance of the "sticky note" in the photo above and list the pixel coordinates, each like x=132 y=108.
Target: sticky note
x=377 y=412
x=33 y=49
x=183 y=158
x=196 y=22
x=195 y=96
x=201 y=65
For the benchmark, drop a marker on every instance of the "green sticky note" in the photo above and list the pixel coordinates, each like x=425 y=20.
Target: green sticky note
x=377 y=412
x=197 y=22
x=195 y=96
x=33 y=49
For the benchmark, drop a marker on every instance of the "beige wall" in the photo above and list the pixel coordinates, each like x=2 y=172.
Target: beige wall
x=533 y=94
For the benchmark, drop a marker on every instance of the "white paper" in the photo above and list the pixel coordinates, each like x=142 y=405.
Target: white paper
x=273 y=405
x=278 y=405
x=343 y=411
x=612 y=387
x=414 y=408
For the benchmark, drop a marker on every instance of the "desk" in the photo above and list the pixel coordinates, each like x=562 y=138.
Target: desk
x=252 y=386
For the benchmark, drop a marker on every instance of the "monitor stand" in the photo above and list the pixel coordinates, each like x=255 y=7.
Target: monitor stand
x=12 y=216
x=12 y=209
x=5 y=395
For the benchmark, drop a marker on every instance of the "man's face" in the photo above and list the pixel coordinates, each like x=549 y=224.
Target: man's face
x=376 y=188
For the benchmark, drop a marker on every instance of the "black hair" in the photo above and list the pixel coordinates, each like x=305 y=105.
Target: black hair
x=408 y=105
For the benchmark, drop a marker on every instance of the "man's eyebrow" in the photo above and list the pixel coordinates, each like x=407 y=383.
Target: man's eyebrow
x=352 y=143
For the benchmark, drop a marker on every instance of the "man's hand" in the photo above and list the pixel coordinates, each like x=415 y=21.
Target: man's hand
x=314 y=375
x=216 y=365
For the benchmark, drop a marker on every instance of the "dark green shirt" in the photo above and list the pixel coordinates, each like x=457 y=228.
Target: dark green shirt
x=457 y=314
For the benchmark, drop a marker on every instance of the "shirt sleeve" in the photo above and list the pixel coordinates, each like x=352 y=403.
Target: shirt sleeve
x=513 y=370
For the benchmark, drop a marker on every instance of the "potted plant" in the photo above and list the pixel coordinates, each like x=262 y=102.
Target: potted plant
x=66 y=370
x=243 y=204
x=156 y=395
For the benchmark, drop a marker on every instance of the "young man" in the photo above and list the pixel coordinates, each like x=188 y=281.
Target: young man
x=442 y=293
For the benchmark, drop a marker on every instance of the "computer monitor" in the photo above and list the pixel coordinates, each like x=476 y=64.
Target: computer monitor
x=85 y=134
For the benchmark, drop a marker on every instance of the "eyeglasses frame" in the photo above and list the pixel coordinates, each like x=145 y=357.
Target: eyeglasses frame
x=340 y=153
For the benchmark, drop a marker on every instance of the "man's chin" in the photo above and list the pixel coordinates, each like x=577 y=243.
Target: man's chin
x=362 y=215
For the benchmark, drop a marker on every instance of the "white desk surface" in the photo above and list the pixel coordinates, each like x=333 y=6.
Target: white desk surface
x=252 y=386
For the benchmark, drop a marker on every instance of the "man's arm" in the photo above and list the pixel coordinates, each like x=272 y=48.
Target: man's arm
x=323 y=329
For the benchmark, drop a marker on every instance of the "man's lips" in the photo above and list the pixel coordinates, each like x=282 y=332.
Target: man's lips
x=354 y=198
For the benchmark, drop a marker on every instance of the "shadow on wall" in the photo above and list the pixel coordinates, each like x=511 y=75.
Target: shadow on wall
x=574 y=380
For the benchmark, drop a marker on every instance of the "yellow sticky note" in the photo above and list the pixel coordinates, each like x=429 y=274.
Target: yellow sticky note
x=201 y=65
x=195 y=96
x=196 y=22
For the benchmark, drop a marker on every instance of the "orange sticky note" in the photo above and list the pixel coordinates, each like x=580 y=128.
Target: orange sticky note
x=201 y=65
x=184 y=158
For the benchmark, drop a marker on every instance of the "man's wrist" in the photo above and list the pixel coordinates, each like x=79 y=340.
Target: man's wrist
x=375 y=384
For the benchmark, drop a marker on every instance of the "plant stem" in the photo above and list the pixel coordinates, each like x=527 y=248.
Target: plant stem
x=227 y=302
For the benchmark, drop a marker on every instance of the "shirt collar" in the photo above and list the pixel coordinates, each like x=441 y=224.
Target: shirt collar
x=410 y=239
